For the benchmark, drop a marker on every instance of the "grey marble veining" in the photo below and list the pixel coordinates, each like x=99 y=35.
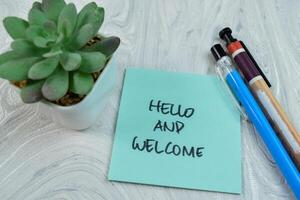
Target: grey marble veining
x=42 y=160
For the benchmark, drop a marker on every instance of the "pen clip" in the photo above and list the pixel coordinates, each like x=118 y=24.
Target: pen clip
x=255 y=64
x=232 y=96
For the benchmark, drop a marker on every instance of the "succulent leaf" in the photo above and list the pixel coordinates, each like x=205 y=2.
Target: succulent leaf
x=67 y=20
x=15 y=27
x=81 y=83
x=41 y=42
x=25 y=48
x=32 y=93
x=91 y=14
x=56 y=50
x=84 y=34
x=37 y=17
x=50 y=28
x=98 y=19
x=17 y=69
x=44 y=68
x=60 y=38
x=92 y=61
x=9 y=55
x=84 y=14
x=52 y=8
x=107 y=46
x=56 y=85
x=33 y=31
x=70 y=61
x=37 y=5
x=21 y=46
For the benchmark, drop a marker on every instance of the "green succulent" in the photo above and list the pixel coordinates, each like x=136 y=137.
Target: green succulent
x=50 y=50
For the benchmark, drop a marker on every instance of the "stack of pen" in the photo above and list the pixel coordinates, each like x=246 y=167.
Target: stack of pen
x=263 y=110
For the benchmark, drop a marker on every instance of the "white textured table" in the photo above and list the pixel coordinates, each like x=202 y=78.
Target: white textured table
x=42 y=160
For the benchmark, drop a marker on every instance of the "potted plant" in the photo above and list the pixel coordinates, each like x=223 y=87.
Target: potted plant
x=58 y=58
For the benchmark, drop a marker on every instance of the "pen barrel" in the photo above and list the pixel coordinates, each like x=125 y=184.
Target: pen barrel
x=243 y=61
x=277 y=117
x=256 y=115
x=223 y=67
x=270 y=106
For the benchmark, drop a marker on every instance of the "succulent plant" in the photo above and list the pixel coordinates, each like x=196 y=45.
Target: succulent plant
x=49 y=50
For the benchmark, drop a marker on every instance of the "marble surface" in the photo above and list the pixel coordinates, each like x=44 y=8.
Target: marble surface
x=42 y=160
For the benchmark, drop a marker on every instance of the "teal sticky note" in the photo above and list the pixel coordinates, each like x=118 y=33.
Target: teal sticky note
x=178 y=130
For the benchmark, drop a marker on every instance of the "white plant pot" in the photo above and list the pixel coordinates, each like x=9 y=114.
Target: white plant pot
x=83 y=114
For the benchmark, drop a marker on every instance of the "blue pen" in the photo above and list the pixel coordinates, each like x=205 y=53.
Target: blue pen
x=257 y=117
